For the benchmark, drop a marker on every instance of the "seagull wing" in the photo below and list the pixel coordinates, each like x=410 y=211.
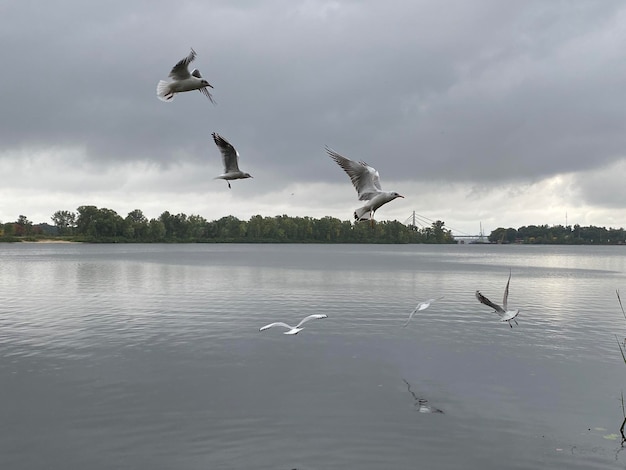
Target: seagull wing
x=426 y=303
x=421 y=306
x=506 y=293
x=208 y=94
x=364 y=178
x=278 y=323
x=230 y=156
x=411 y=315
x=315 y=316
x=181 y=70
x=484 y=300
x=204 y=90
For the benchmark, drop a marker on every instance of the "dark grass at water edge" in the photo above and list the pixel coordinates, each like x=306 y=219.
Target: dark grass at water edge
x=621 y=349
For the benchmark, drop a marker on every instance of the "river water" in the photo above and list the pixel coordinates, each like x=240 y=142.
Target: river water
x=150 y=357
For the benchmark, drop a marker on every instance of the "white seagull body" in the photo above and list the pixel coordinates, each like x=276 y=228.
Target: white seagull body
x=294 y=330
x=421 y=306
x=182 y=81
x=366 y=181
x=503 y=311
x=230 y=160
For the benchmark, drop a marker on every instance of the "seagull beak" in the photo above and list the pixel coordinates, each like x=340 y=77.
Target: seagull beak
x=400 y=195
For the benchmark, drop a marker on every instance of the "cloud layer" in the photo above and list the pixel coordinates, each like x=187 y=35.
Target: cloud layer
x=475 y=111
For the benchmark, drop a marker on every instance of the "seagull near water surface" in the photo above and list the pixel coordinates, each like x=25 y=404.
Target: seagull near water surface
x=230 y=159
x=503 y=311
x=294 y=330
x=421 y=306
x=182 y=81
x=366 y=181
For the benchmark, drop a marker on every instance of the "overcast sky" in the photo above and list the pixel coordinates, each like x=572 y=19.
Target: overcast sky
x=500 y=113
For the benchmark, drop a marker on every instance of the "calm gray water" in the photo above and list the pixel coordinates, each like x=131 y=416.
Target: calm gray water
x=149 y=357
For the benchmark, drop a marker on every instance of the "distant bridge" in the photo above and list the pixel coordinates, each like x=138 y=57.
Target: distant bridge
x=420 y=221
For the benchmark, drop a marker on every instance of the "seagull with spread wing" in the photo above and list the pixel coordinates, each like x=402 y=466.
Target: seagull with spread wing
x=230 y=159
x=366 y=181
x=421 y=306
x=182 y=80
x=503 y=311
x=294 y=330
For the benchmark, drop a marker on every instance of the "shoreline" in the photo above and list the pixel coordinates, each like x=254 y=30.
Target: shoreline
x=47 y=240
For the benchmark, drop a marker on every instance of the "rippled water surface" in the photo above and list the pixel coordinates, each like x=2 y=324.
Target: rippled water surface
x=150 y=357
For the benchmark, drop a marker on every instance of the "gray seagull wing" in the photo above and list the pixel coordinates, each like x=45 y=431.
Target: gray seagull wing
x=506 y=294
x=484 y=300
x=365 y=178
x=181 y=70
x=230 y=156
x=277 y=323
x=311 y=317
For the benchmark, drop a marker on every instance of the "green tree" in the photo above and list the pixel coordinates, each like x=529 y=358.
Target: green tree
x=503 y=235
x=136 y=226
x=176 y=226
x=8 y=229
x=86 y=221
x=254 y=230
x=99 y=224
x=196 y=227
x=65 y=221
x=156 y=230
x=23 y=226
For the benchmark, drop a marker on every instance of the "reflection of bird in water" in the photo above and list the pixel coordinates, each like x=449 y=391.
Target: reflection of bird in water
x=421 y=403
x=504 y=312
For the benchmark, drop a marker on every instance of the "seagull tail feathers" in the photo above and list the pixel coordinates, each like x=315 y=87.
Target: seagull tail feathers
x=163 y=91
x=361 y=214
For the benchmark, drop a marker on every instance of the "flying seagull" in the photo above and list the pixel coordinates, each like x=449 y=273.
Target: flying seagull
x=366 y=181
x=230 y=159
x=294 y=330
x=503 y=311
x=182 y=80
x=421 y=306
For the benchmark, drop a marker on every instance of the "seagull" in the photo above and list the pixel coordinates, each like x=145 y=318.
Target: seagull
x=421 y=306
x=294 y=330
x=230 y=159
x=366 y=181
x=504 y=312
x=182 y=80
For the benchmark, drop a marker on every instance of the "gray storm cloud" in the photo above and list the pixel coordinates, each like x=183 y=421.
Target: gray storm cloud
x=454 y=92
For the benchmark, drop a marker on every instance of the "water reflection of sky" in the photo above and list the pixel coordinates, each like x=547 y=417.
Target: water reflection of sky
x=154 y=350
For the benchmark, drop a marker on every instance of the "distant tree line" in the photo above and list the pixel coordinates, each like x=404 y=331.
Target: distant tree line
x=93 y=224
x=559 y=235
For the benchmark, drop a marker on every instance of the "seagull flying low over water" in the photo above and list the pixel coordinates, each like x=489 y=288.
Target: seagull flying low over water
x=182 y=80
x=421 y=306
x=230 y=159
x=366 y=181
x=294 y=330
x=504 y=312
